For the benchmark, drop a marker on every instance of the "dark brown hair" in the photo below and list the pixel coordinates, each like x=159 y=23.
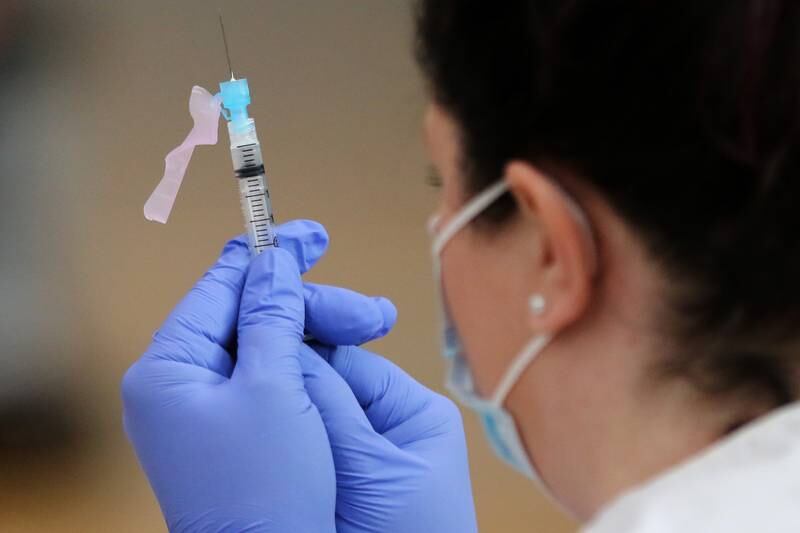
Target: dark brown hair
x=684 y=115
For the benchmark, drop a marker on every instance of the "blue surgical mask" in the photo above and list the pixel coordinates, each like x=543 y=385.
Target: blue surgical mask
x=499 y=426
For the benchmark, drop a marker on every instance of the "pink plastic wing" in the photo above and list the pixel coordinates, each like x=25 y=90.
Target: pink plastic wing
x=205 y=110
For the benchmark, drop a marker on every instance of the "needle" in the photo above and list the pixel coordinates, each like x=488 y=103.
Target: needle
x=225 y=42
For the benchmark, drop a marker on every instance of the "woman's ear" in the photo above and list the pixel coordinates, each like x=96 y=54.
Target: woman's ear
x=567 y=258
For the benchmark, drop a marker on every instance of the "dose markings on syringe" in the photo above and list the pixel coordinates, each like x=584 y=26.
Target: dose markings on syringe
x=258 y=212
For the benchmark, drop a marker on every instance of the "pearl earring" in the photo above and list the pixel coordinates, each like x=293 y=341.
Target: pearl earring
x=537 y=304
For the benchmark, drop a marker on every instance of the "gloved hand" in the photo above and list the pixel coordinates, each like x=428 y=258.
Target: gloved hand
x=240 y=447
x=398 y=447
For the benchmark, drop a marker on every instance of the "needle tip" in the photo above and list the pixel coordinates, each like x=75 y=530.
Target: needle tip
x=225 y=42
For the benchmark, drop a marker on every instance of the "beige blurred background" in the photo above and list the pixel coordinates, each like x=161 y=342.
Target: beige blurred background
x=93 y=95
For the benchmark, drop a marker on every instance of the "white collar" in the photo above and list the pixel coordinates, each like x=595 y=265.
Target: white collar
x=748 y=482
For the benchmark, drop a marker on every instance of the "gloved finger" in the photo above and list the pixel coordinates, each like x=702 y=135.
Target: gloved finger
x=347 y=425
x=389 y=396
x=205 y=320
x=339 y=316
x=271 y=319
x=305 y=240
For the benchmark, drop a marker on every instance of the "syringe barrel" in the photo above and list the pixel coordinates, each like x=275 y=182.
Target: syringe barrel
x=257 y=212
x=248 y=166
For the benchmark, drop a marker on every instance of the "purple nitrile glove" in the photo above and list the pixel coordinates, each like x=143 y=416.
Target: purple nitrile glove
x=236 y=444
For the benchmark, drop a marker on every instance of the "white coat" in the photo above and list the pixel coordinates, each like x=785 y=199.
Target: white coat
x=747 y=483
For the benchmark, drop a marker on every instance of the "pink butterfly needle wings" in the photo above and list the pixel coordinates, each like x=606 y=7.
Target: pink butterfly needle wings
x=205 y=111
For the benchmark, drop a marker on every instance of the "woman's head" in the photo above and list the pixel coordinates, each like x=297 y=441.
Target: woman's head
x=674 y=125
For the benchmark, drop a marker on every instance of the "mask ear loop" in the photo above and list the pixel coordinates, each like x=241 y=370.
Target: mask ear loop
x=467 y=213
x=461 y=219
x=583 y=221
x=539 y=342
x=518 y=366
x=485 y=198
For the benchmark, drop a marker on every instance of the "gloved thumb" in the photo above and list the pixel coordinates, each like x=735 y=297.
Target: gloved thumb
x=271 y=319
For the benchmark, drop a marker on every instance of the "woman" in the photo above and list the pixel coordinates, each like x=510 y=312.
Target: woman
x=617 y=251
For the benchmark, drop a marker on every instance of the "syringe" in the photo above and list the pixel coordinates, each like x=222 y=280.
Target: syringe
x=248 y=166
